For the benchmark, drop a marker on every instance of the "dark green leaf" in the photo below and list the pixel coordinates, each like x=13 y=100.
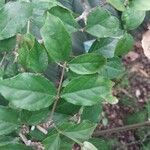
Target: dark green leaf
x=87 y=63
x=9 y=115
x=5 y=140
x=140 y=4
x=118 y=4
x=124 y=45
x=92 y=113
x=56 y=38
x=132 y=18
x=113 y=68
x=15 y=147
x=52 y=142
x=66 y=16
x=7 y=44
x=98 y=89
x=28 y=91
x=105 y=47
x=6 y=127
x=101 y=24
x=13 y=17
x=82 y=131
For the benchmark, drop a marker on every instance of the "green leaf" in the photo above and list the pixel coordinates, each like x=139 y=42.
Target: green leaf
x=9 y=115
x=101 y=24
x=52 y=142
x=28 y=91
x=113 y=68
x=2 y=2
x=15 y=147
x=87 y=63
x=124 y=45
x=13 y=17
x=118 y=4
x=88 y=146
x=92 y=113
x=66 y=16
x=97 y=88
x=5 y=140
x=140 y=5
x=32 y=55
x=132 y=18
x=82 y=131
x=56 y=38
x=7 y=44
x=7 y=127
x=104 y=46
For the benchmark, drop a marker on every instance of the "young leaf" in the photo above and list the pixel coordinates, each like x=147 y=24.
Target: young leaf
x=140 y=4
x=66 y=16
x=82 y=131
x=124 y=45
x=101 y=24
x=28 y=91
x=97 y=88
x=15 y=147
x=118 y=4
x=105 y=47
x=56 y=38
x=87 y=63
x=132 y=18
x=52 y=142
x=13 y=17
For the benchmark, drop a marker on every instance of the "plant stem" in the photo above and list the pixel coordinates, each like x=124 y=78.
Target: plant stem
x=121 y=129
x=58 y=91
x=28 y=26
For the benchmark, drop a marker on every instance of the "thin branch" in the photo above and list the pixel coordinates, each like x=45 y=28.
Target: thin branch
x=25 y=140
x=121 y=129
x=44 y=131
x=58 y=91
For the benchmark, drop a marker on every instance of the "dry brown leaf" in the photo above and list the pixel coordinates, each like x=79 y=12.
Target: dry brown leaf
x=146 y=43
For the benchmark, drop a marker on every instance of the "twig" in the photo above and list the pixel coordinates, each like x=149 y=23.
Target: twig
x=58 y=91
x=42 y=129
x=25 y=140
x=121 y=129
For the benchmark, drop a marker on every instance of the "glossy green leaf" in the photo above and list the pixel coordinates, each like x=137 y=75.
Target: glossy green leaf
x=52 y=142
x=113 y=68
x=118 y=4
x=98 y=89
x=7 y=44
x=15 y=147
x=101 y=24
x=82 y=131
x=104 y=46
x=124 y=45
x=7 y=127
x=132 y=18
x=13 y=17
x=140 y=4
x=66 y=16
x=56 y=38
x=28 y=91
x=92 y=113
x=87 y=63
